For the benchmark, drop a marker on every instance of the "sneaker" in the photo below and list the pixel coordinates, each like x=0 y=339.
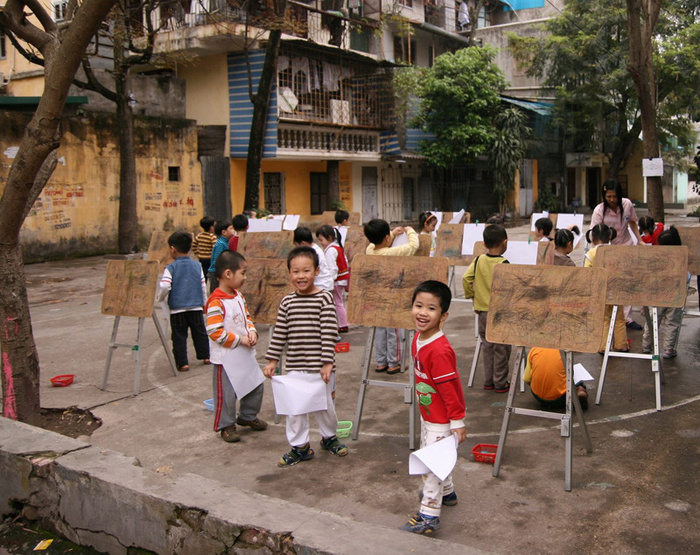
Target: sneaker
x=230 y=434
x=333 y=445
x=582 y=395
x=256 y=425
x=422 y=524
x=669 y=353
x=488 y=387
x=296 y=455
x=449 y=500
x=632 y=325
x=183 y=368
x=503 y=389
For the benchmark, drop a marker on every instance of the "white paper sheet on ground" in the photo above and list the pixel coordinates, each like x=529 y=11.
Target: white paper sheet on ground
x=472 y=234
x=457 y=217
x=299 y=393
x=438 y=215
x=521 y=252
x=291 y=222
x=234 y=361
x=536 y=216
x=258 y=225
x=565 y=221
x=581 y=374
x=439 y=458
x=400 y=240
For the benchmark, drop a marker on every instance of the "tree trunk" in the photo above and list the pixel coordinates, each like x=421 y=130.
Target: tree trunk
x=641 y=25
x=261 y=105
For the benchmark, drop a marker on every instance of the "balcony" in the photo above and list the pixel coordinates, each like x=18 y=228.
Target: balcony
x=299 y=141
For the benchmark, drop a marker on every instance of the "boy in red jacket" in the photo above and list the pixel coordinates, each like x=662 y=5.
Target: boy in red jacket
x=441 y=398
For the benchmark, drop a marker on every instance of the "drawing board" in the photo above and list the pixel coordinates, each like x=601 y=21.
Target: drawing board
x=275 y=244
x=257 y=225
x=267 y=282
x=424 y=244
x=556 y=307
x=690 y=237
x=537 y=215
x=640 y=275
x=355 y=242
x=470 y=235
x=545 y=252
x=521 y=252
x=381 y=288
x=449 y=244
x=328 y=217
x=291 y=222
x=565 y=221
x=158 y=248
x=130 y=288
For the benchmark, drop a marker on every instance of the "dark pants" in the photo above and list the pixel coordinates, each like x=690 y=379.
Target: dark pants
x=213 y=282
x=180 y=323
x=205 y=262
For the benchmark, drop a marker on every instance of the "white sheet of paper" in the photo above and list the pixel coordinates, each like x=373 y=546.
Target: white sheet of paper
x=457 y=217
x=233 y=360
x=652 y=167
x=299 y=393
x=581 y=374
x=291 y=222
x=472 y=234
x=438 y=215
x=522 y=252
x=400 y=240
x=565 y=221
x=536 y=216
x=439 y=458
x=257 y=225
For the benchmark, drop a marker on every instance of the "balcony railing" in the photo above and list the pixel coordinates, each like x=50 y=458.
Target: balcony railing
x=323 y=140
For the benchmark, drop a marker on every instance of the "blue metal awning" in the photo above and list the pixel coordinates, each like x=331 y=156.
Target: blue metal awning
x=542 y=108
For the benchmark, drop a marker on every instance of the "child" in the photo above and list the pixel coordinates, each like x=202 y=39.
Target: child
x=233 y=337
x=546 y=376
x=324 y=278
x=387 y=341
x=337 y=263
x=342 y=217
x=307 y=326
x=426 y=223
x=184 y=285
x=438 y=386
x=563 y=245
x=477 y=285
x=669 y=319
x=543 y=227
x=224 y=232
x=240 y=225
x=204 y=243
x=650 y=230
x=601 y=234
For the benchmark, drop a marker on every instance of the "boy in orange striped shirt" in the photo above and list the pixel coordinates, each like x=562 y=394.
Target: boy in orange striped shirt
x=232 y=339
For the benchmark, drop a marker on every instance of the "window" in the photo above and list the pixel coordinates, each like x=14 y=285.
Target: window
x=3 y=46
x=173 y=173
x=59 y=10
x=407 y=3
x=319 y=192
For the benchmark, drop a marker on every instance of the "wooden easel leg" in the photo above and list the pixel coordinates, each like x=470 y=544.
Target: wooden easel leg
x=522 y=374
x=577 y=403
x=110 y=351
x=137 y=350
x=509 y=409
x=363 y=383
x=656 y=358
x=164 y=342
x=477 y=351
x=608 y=344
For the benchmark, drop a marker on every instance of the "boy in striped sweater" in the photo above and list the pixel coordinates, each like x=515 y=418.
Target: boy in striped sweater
x=307 y=325
x=232 y=338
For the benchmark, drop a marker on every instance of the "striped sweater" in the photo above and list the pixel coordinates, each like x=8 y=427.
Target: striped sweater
x=203 y=244
x=307 y=325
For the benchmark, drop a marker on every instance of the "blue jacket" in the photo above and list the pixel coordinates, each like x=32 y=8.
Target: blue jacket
x=186 y=290
x=220 y=246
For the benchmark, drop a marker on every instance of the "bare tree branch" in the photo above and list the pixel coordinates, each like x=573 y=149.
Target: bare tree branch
x=17 y=23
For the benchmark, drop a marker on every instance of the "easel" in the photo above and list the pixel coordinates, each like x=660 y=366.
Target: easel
x=520 y=314
x=380 y=296
x=129 y=290
x=690 y=237
x=662 y=271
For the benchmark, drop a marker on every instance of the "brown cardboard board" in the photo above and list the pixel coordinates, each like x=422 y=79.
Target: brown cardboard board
x=449 y=244
x=690 y=237
x=158 y=248
x=328 y=217
x=381 y=288
x=424 y=244
x=545 y=253
x=465 y=219
x=355 y=242
x=267 y=282
x=130 y=288
x=640 y=275
x=557 y=307
x=274 y=244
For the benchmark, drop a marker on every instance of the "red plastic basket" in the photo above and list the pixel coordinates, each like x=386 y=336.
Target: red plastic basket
x=62 y=381
x=342 y=347
x=485 y=452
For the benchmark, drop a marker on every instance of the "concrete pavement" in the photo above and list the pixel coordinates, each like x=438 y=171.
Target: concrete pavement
x=638 y=492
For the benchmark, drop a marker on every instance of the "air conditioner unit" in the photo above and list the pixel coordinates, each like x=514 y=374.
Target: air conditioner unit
x=340 y=111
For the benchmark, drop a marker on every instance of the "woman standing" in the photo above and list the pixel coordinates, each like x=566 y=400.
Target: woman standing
x=618 y=212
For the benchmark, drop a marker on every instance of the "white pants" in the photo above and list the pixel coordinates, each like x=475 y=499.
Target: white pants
x=327 y=420
x=433 y=488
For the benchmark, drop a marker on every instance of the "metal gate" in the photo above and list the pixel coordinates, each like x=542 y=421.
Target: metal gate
x=216 y=182
x=274 y=192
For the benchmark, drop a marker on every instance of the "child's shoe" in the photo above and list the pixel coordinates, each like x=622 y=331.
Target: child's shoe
x=333 y=445
x=669 y=353
x=296 y=455
x=256 y=425
x=422 y=524
x=230 y=434
x=503 y=389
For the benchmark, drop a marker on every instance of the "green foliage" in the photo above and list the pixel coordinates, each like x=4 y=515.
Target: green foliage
x=459 y=100
x=546 y=201
x=338 y=205
x=507 y=151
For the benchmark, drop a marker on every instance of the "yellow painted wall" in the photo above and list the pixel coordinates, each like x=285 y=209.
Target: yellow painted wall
x=77 y=210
